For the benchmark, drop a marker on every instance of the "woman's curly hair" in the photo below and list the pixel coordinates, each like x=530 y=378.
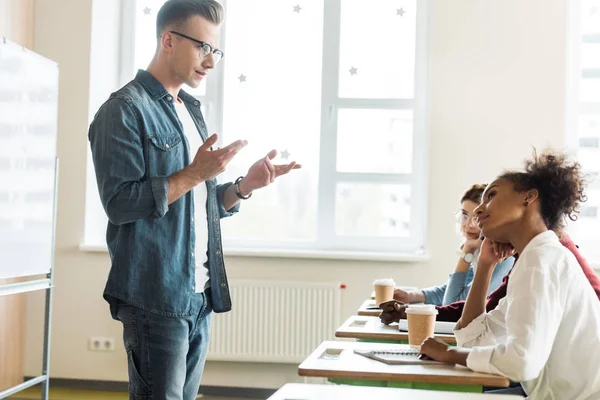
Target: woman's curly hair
x=560 y=184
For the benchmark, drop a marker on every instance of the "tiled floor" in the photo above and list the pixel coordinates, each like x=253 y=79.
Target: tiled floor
x=72 y=394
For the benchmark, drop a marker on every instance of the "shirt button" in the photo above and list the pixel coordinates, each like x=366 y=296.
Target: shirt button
x=192 y=219
x=218 y=252
x=192 y=254
x=215 y=219
x=169 y=98
x=196 y=103
x=223 y=284
x=167 y=145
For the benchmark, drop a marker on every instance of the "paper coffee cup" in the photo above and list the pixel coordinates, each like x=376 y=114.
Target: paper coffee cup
x=384 y=290
x=421 y=323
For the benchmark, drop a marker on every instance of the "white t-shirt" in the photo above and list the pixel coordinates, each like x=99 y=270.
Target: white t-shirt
x=200 y=195
x=546 y=332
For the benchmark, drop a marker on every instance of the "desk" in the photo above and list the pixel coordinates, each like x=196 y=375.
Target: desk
x=338 y=362
x=328 y=392
x=364 y=311
x=370 y=329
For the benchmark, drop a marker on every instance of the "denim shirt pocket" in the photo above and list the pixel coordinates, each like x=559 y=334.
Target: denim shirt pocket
x=165 y=154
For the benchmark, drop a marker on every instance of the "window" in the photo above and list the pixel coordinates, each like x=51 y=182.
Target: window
x=584 y=118
x=347 y=103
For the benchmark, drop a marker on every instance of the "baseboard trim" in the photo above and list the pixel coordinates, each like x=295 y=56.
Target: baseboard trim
x=117 y=386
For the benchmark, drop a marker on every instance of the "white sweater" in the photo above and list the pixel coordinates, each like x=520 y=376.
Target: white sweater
x=546 y=332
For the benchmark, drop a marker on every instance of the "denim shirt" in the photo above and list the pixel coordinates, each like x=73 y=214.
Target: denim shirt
x=137 y=142
x=459 y=284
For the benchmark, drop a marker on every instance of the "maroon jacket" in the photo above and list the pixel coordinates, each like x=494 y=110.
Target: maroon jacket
x=452 y=312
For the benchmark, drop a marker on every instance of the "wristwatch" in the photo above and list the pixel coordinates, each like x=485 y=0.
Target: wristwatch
x=468 y=257
x=236 y=187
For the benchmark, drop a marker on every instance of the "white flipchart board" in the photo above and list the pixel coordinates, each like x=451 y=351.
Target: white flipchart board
x=28 y=167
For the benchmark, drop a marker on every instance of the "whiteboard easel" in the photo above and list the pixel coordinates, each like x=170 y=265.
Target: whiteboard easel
x=28 y=182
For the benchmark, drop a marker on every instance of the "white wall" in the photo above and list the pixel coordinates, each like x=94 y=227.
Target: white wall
x=497 y=79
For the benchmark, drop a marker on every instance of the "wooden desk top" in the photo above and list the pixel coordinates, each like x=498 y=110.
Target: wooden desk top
x=328 y=392
x=366 y=312
x=407 y=288
x=362 y=327
x=343 y=363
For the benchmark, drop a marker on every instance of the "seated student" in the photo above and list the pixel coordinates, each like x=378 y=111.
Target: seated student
x=545 y=333
x=393 y=311
x=459 y=283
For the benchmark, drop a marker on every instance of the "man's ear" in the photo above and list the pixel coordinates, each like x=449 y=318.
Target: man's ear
x=166 y=41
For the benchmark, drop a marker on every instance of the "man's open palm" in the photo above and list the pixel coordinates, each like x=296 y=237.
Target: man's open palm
x=264 y=172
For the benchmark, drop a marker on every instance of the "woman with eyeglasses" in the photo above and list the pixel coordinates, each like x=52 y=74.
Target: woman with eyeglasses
x=459 y=283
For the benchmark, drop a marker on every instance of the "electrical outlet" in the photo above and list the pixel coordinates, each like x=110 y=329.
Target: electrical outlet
x=98 y=343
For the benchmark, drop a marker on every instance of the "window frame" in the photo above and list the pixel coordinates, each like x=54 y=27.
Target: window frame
x=326 y=241
x=575 y=107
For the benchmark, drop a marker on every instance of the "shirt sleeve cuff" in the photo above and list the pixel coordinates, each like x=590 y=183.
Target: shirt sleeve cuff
x=160 y=190
x=427 y=296
x=475 y=329
x=479 y=359
x=223 y=213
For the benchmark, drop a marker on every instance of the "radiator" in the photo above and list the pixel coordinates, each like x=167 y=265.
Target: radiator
x=276 y=322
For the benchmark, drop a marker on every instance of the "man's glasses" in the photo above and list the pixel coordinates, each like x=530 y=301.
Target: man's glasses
x=205 y=48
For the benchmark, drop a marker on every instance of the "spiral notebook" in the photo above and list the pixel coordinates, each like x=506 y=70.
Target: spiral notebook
x=403 y=356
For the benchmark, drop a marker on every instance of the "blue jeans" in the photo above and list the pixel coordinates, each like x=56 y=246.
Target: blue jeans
x=165 y=355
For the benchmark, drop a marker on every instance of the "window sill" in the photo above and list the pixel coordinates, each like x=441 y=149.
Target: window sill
x=328 y=255
x=306 y=254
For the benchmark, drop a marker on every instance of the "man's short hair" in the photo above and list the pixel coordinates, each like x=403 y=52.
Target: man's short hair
x=175 y=13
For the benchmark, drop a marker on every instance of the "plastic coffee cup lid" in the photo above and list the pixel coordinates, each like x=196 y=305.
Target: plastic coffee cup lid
x=422 y=309
x=384 y=282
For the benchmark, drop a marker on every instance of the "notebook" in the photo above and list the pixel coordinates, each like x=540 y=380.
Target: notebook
x=403 y=356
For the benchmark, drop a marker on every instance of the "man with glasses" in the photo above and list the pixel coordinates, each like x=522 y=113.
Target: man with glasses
x=155 y=169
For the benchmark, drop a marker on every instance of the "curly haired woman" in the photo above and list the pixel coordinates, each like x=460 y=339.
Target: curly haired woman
x=545 y=333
